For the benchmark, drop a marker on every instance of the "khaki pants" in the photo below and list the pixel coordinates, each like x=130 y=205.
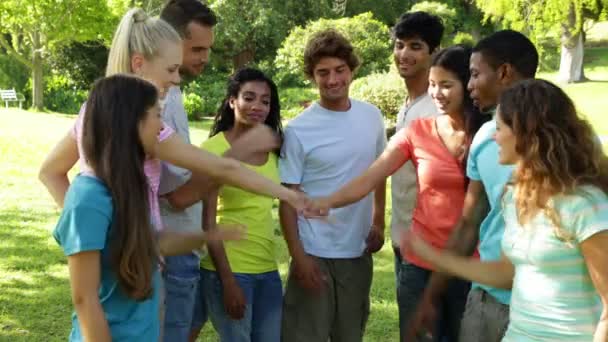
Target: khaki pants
x=485 y=319
x=339 y=313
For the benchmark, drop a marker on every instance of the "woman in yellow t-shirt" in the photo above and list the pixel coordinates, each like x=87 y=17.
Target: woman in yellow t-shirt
x=240 y=282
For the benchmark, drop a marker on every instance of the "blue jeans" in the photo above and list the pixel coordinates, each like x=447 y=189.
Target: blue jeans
x=181 y=279
x=411 y=283
x=262 y=320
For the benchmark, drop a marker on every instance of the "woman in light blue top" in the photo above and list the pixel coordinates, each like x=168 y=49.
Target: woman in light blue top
x=105 y=227
x=555 y=245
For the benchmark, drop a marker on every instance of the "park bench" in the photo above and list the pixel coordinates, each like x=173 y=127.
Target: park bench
x=10 y=95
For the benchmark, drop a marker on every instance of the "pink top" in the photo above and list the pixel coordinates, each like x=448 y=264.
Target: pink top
x=152 y=166
x=441 y=184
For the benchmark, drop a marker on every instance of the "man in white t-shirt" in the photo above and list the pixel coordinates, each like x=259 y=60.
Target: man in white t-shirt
x=415 y=36
x=333 y=141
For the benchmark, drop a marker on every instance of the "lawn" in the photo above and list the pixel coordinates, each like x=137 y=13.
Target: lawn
x=34 y=293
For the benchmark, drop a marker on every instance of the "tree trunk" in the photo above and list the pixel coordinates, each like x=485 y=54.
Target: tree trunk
x=243 y=58
x=572 y=51
x=37 y=82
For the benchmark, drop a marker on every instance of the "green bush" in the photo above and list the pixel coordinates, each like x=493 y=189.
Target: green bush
x=210 y=88
x=295 y=100
x=369 y=36
x=62 y=95
x=384 y=90
x=194 y=106
x=463 y=38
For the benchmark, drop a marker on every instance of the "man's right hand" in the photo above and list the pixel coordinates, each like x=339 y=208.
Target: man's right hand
x=235 y=302
x=308 y=274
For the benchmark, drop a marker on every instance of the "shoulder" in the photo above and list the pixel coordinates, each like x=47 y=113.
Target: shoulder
x=364 y=107
x=216 y=144
x=425 y=107
x=484 y=135
x=88 y=192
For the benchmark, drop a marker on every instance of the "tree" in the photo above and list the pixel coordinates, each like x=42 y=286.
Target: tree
x=369 y=36
x=562 y=20
x=36 y=26
x=249 y=30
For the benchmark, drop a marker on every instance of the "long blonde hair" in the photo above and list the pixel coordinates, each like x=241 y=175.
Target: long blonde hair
x=559 y=150
x=137 y=33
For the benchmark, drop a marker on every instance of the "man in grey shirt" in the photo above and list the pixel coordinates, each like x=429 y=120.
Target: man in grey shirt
x=415 y=36
x=194 y=21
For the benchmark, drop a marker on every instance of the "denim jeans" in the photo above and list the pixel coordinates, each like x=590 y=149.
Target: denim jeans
x=181 y=279
x=262 y=320
x=411 y=283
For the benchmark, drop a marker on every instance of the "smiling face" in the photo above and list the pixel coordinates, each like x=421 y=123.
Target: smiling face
x=149 y=128
x=252 y=105
x=506 y=140
x=333 y=77
x=196 y=49
x=161 y=70
x=446 y=90
x=412 y=56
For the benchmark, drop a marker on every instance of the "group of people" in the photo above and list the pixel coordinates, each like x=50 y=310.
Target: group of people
x=499 y=194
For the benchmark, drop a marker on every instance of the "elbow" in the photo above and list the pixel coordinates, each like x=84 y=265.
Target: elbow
x=44 y=175
x=82 y=301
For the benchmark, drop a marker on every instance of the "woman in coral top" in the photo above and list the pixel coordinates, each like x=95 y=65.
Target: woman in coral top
x=438 y=148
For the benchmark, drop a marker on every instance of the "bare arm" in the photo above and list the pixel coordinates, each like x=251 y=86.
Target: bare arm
x=497 y=274
x=389 y=161
x=288 y=218
x=85 y=276
x=596 y=258
x=216 y=249
x=222 y=170
x=54 y=170
x=199 y=184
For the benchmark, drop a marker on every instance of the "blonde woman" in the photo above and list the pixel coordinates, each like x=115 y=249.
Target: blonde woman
x=150 y=48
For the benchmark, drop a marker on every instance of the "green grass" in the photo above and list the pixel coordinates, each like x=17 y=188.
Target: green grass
x=34 y=292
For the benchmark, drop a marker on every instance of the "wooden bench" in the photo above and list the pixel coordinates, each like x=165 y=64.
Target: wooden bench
x=10 y=95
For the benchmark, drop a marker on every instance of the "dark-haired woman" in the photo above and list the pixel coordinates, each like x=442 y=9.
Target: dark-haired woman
x=438 y=148
x=105 y=228
x=556 y=216
x=240 y=282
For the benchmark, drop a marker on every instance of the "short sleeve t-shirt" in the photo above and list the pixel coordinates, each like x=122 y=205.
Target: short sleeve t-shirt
x=483 y=165
x=441 y=184
x=172 y=177
x=553 y=297
x=84 y=225
x=256 y=253
x=403 y=181
x=152 y=167
x=322 y=151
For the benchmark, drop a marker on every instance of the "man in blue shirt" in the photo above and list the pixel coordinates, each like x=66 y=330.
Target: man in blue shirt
x=498 y=61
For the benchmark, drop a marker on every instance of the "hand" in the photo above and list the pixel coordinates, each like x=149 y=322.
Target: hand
x=308 y=274
x=318 y=208
x=423 y=320
x=298 y=200
x=225 y=232
x=234 y=299
x=258 y=139
x=375 y=239
x=411 y=242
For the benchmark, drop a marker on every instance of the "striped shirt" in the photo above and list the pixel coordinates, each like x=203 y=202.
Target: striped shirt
x=553 y=296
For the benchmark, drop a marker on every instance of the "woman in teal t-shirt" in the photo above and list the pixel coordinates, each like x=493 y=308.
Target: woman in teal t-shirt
x=239 y=281
x=556 y=216
x=105 y=228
